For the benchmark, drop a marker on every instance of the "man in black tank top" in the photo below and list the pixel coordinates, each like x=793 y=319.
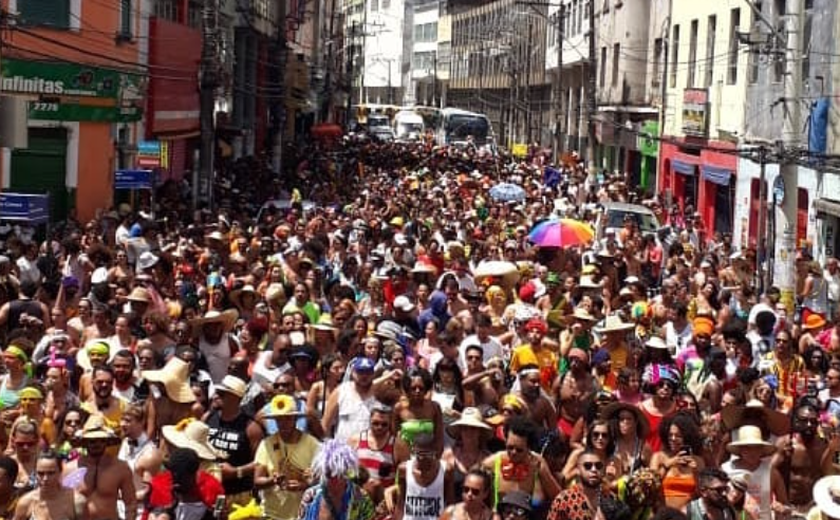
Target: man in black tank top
x=236 y=434
x=24 y=305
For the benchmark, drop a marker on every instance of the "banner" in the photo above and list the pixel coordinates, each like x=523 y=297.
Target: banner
x=133 y=180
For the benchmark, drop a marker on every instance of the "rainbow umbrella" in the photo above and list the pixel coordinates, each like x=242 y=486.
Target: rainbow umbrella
x=564 y=232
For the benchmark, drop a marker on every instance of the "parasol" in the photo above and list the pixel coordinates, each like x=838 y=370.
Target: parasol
x=507 y=192
x=506 y=271
x=564 y=232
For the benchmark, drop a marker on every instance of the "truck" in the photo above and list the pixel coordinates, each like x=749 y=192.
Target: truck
x=408 y=126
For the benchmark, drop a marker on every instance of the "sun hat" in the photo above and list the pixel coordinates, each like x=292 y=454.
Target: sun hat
x=237 y=294
x=99 y=275
x=756 y=414
x=232 y=385
x=192 y=434
x=95 y=429
x=282 y=406
x=583 y=315
x=139 y=294
x=813 y=321
x=611 y=411
x=402 y=303
x=588 y=282
x=227 y=318
x=748 y=436
x=655 y=342
x=147 y=260
x=826 y=494
x=470 y=418
x=175 y=378
x=613 y=323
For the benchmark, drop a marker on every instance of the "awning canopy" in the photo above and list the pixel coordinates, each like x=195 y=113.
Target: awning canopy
x=716 y=174
x=683 y=167
x=829 y=207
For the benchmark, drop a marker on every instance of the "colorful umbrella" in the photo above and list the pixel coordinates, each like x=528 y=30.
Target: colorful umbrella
x=564 y=232
x=507 y=192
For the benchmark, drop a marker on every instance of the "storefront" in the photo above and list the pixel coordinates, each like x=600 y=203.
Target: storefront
x=648 y=145
x=827 y=207
x=74 y=112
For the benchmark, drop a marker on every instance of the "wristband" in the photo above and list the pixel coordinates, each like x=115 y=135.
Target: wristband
x=239 y=472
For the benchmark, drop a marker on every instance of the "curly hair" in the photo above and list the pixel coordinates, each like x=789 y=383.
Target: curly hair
x=688 y=427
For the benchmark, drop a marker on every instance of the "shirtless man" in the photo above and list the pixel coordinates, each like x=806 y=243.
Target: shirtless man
x=107 y=479
x=50 y=501
x=542 y=410
x=574 y=388
x=801 y=455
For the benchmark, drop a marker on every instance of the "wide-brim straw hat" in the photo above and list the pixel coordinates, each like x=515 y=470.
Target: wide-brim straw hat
x=750 y=436
x=655 y=342
x=826 y=494
x=237 y=294
x=175 y=378
x=195 y=435
x=95 y=429
x=282 y=406
x=611 y=412
x=470 y=418
x=140 y=294
x=227 y=318
x=754 y=413
x=614 y=323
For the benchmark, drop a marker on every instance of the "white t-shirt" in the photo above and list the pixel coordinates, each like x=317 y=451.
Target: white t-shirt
x=493 y=348
x=833 y=285
x=677 y=341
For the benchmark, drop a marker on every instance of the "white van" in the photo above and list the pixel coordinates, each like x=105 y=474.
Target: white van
x=408 y=126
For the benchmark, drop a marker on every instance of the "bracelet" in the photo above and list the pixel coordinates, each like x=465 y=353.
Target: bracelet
x=239 y=472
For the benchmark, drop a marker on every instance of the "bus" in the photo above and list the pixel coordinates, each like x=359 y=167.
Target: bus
x=458 y=127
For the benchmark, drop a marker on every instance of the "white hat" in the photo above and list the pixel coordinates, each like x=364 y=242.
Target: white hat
x=750 y=436
x=631 y=280
x=827 y=495
x=402 y=303
x=400 y=239
x=147 y=260
x=232 y=385
x=99 y=275
x=192 y=434
x=656 y=342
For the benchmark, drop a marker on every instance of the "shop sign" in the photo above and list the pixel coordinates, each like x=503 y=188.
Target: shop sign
x=148 y=154
x=56 y=78
x=133 y=179
x=648 y=142
x=58 y=111
x=695 y=112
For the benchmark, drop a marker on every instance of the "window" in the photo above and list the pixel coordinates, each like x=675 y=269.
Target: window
x=425 y=62
x=806 y=45
x=603 y=77
x=710 y=50
x=732 y=65
x=52 y=13
x=616 y=53
x=692 y=54
x=386 y=4
x=752 y=73
x=657 y=62
x=675 y=56
x=374 y=5
x=125 y=19
x=168 y=10
x=426 y=32
x=194 y=14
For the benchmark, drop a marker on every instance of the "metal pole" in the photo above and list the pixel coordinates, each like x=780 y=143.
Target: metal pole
x=209 y=83
x=663 y=103
x=528 y=81
x=560 y=123
x=785 y=278
x=761 y=283
x=591 y=104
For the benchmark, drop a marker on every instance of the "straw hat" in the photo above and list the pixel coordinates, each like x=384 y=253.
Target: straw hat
x=227 y=318
x=755 y=414
x=611 y=412
x=655 y=342
x=827 y=495
x=470 y=418
x=282 y=406
x=587 y=282
x=140 y=294
x=750 y=436
x=175 y=378
x=95 y=429
x=613 y=323
x=232 y=385
x=192 y=434
x=236 y=295
x=583 y=315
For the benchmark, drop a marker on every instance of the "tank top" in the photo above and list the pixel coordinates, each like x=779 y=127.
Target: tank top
x=17 y=308
x=231 y=437
x=817 y=299
x=423 y=503
x=758 y=489
x=379 y=463
x=217 y=356
x=353 y=411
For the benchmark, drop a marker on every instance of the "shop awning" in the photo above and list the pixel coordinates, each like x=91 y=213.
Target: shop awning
x=683 y=167
x=829 y=207
x=716 y=174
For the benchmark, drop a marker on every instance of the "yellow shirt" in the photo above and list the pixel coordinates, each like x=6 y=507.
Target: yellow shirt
x=289 y=460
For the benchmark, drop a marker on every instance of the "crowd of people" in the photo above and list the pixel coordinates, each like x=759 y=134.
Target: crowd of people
x=391 y=344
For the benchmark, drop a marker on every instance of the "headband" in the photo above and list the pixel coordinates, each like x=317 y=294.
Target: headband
x=17 y=352
x=99 y=348
x=528 y=371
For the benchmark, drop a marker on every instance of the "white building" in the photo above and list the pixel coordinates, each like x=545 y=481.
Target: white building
x=383 y=51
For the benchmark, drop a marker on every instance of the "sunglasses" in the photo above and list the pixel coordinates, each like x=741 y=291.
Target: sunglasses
x=471 y=491
x=25 y=444
x=515 y=511
x=600 y=435
x=589 y=466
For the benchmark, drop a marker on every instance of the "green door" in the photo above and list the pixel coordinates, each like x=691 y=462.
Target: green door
x=42 y=167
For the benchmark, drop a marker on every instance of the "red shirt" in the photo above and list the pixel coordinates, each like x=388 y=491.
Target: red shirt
x=209 y=488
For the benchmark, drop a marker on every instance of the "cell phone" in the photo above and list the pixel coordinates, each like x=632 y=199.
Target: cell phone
x=686 y=450
x=219 y=506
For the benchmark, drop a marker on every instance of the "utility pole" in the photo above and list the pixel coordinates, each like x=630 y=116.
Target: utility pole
x=560 y=123
x=528 y=81
x=785 y=255
x=591 y=105
x=762 y=221
x=203 y=181
x=278 y=107
x=663 y=103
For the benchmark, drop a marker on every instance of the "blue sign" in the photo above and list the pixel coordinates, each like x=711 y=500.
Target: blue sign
x=133 y=180
x=25 y=207
x=148 y=148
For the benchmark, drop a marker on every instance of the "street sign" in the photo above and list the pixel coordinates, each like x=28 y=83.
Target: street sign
x=148 y=154
x=133 y=180
x=25 y=207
